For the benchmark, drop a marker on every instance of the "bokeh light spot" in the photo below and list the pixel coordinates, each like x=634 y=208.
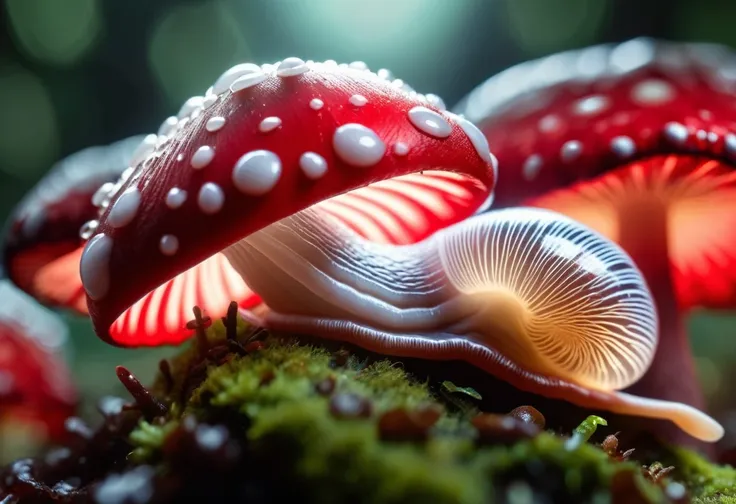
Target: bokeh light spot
x=193 y=44
x=543 y=27
x=55 y=32
x=413 y=35
x=30 y=139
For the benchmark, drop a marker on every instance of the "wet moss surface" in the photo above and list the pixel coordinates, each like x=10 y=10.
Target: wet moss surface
x=245 y=416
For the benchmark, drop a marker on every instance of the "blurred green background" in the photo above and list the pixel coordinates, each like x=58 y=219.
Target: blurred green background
x=75 y=73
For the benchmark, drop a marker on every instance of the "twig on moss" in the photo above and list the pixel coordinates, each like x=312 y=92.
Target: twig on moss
x=144 y=399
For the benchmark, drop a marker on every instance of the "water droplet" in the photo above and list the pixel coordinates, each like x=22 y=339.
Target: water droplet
x=430 y=122
x=210 y=198
x=313 y=165
x=257 y=172
x=357 y=145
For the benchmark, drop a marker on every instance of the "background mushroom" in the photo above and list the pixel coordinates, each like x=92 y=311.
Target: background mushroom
x=43 y=244
x=637 y=142
x=528 y=295
x=35 y=385
x=264 y=143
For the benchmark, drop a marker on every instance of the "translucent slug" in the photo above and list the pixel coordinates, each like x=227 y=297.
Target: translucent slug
x=528 y=295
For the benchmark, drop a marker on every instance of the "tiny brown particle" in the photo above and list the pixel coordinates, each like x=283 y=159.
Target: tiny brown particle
x=340 y=358
x=502 y=429
x=267 y=377
x=254 y=346
x=350 y=406
x=325 y=387
x=529 y=414
x=402 y=425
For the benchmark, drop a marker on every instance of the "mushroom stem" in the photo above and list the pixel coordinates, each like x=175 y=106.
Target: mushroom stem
x=672 y=373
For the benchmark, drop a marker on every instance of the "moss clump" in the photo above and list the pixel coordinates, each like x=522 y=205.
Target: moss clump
x=708 y=482
x=244 y=416
x=324 y=426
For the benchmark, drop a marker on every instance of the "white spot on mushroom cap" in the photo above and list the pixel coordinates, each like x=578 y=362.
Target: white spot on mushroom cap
x=436 y=101
x=168 y=126
x=124 y=209
x=127 y=173
x=549 y=123
x=401 y=149
x=313 y=165
x=145 y=149
x=430 y=122
x=248 y=81
x=257 y=172
x=730 y=142
x=291 y=67
x=169 y=245
x=358 y=65
x=478 y=139
x=531 y=167
x=94 y=266
x=385 y=74
x=623 y=146
x=88 y=229
x=357 y=145
x=400 y=84
x=269 y=124
x=210 y=198
x=571 y=150
x=102 y=193
x=316 y=104
x=215 y=124
x=175 y=198
x=358 y=100
x=677 y=133
x=630 y=55
x=591 y=105
x=652 y=92
x=190 y=106
x=225 y=80
x=202 y=157
x=209 y=100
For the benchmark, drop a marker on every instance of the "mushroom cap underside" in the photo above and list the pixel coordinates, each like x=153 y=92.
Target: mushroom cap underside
x=277 y=140
x=42 y=240
x=692 y=198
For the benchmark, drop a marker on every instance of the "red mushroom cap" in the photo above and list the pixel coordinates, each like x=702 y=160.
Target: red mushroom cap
x=564 y=121
x=35 y=384
x=264 y=143
x=43 y=243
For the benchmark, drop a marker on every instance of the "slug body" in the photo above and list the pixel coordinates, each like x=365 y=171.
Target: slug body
x=530 y=296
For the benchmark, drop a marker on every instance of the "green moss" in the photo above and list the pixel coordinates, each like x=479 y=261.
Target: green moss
x=283 y=394
x=150 y=438
x=705 y=479
x=292 y=371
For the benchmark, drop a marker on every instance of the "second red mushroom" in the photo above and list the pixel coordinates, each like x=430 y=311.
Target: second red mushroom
x=637 y=141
